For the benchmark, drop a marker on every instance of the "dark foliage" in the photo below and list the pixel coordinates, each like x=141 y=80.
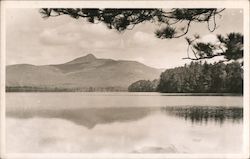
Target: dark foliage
x=173 y=23
x=230 y=47
x=143 y=86
x=203 y=78
x=122 y=19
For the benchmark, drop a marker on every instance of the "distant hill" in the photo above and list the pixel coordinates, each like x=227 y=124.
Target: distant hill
x=82 y=72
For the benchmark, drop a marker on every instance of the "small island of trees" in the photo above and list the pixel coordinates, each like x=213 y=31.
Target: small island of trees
x=144 y=86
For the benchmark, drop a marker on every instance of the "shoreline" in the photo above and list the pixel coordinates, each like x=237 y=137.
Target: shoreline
x=134 y=93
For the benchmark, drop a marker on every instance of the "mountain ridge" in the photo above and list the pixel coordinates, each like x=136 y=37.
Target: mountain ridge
x=84 y=71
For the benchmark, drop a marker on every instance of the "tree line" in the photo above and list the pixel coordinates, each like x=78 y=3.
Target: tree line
x=62 y=89
x=197 y=77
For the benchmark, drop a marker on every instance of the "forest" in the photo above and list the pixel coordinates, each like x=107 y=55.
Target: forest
x=197 y=77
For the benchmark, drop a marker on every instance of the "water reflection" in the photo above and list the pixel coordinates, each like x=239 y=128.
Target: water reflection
x=90 y=117
x=206 y=113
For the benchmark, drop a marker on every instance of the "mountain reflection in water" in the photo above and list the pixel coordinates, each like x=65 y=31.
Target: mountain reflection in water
x=90 y=117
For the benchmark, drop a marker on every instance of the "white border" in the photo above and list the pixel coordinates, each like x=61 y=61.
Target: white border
x=246 y=103
x=2 y=82
x=128 y=4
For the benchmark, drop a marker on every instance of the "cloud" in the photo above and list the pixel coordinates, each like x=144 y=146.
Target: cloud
x=83 y=35
x=55 y=37
x=143 y=39
x=209 y=38
x=101 y=44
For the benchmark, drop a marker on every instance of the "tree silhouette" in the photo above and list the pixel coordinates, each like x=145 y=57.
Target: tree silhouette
x=174 y=23
x=230 y=46
x=122 y=19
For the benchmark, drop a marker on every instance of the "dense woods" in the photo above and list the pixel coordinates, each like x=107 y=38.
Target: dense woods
x=198 y=77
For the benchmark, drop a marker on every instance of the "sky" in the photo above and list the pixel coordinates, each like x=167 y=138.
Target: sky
x=32 y=39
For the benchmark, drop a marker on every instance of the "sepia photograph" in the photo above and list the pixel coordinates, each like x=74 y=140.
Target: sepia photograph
x=136 y=80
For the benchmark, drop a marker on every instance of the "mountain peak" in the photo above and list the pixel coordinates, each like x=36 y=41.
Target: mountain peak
x=86 y=58
x=91 y=56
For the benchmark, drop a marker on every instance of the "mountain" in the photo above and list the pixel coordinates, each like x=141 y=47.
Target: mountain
x=82 y=72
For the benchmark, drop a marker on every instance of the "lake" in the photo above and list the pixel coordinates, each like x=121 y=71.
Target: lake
x=123 y=123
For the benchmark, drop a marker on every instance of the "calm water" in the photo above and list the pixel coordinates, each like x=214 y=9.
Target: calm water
x=123 y=123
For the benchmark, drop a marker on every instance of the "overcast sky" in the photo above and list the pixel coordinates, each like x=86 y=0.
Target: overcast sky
x=34 y=40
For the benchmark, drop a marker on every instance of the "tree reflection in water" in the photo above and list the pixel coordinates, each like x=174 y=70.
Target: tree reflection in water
x=203 y=114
